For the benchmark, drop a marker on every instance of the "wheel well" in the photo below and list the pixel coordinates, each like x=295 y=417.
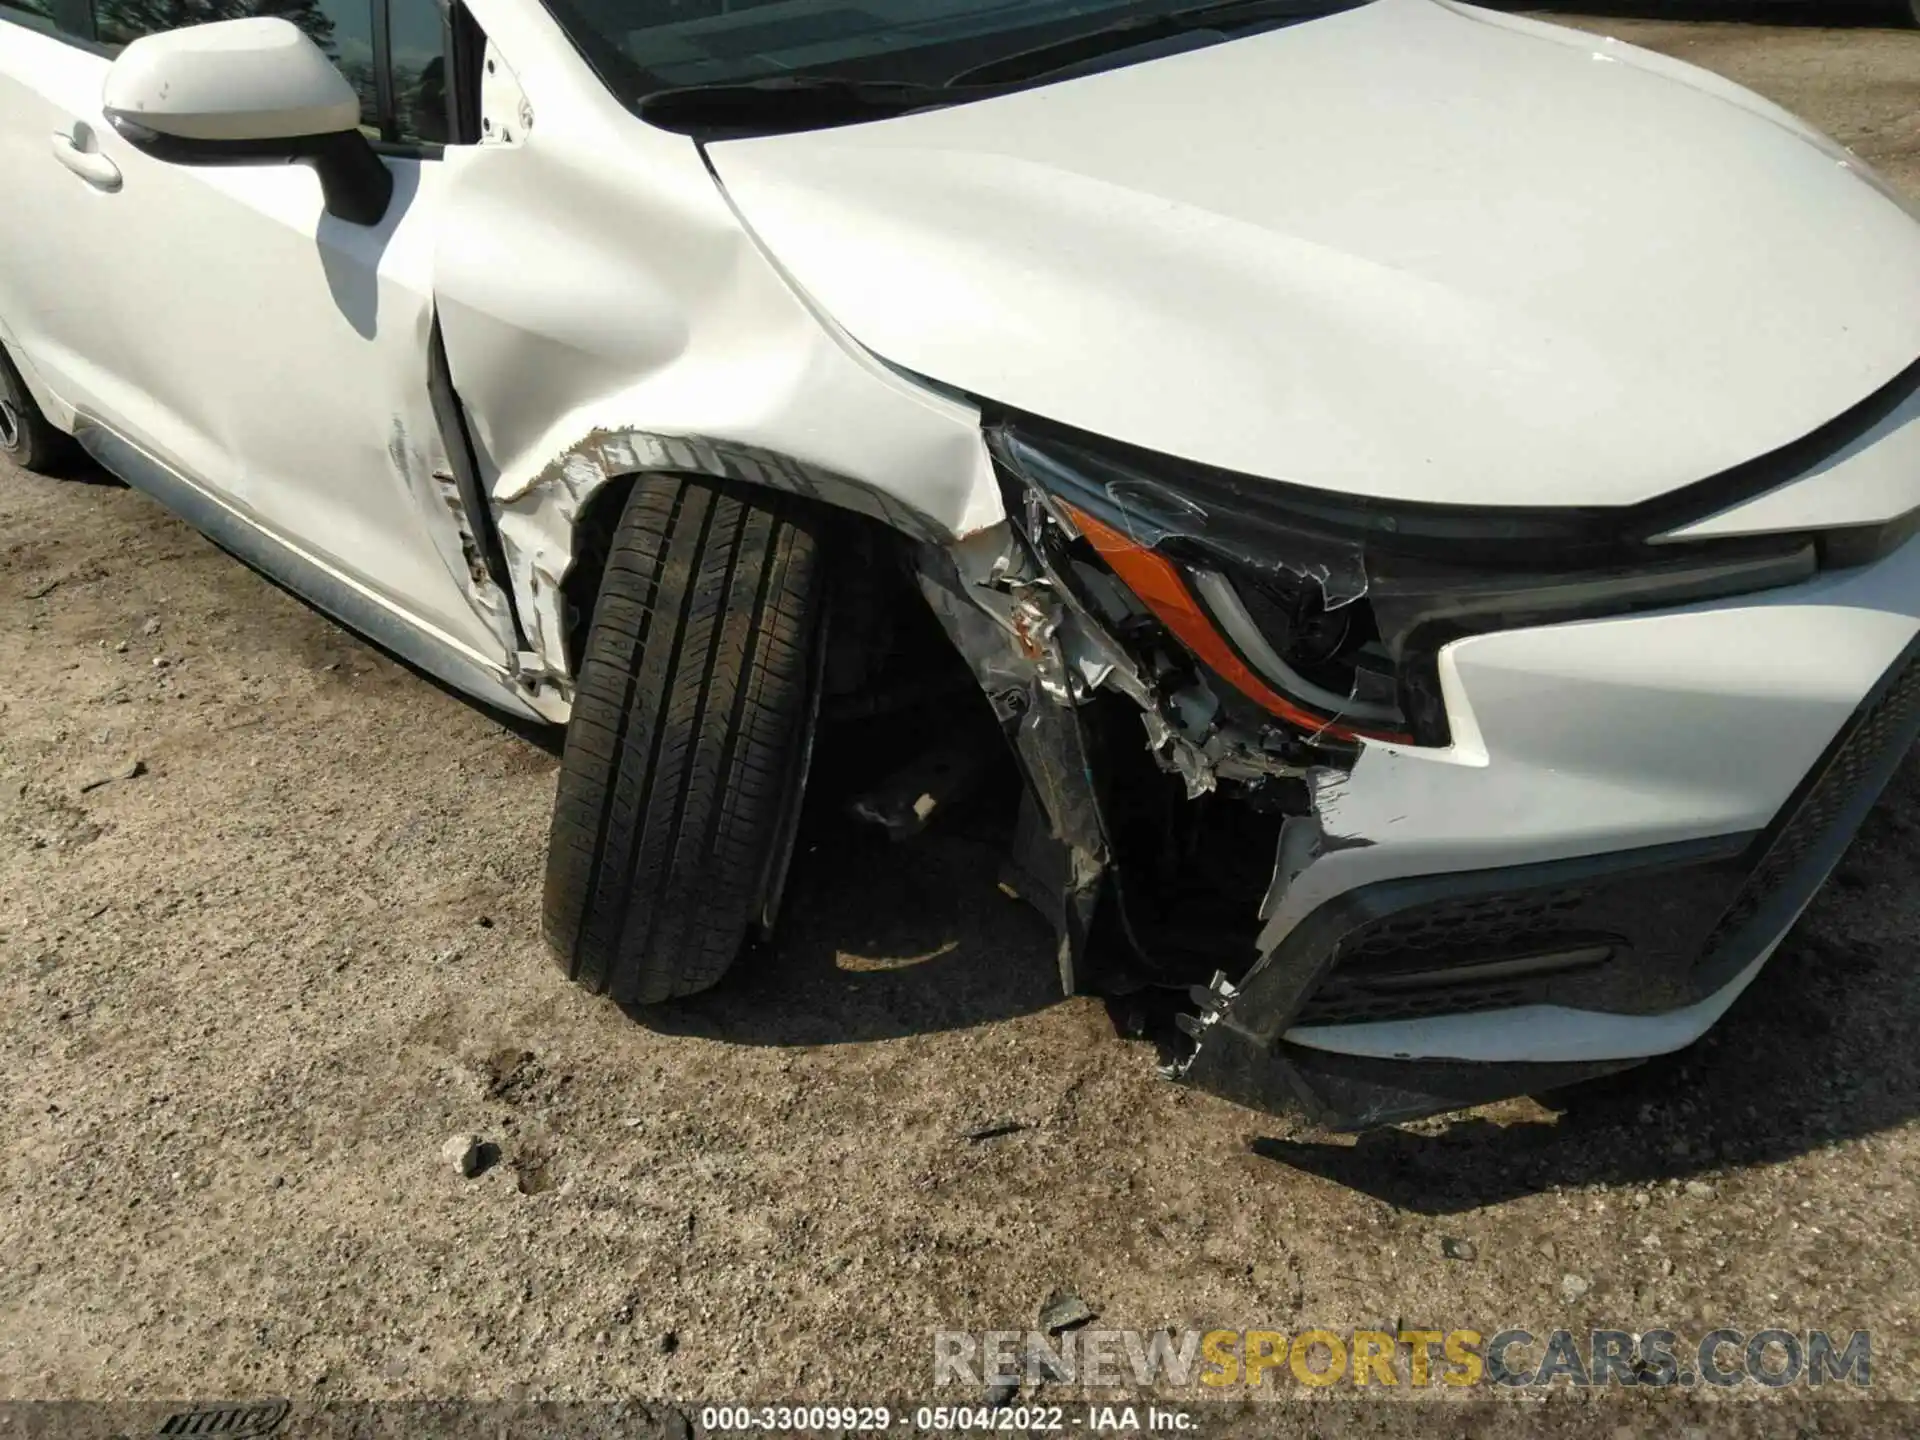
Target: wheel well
x=593 y=531
x=861 y=592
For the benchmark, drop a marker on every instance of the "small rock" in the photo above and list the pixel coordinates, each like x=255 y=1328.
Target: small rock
x=1000 y=1391
x=120 y=647
x=1572 y=1287
x=150 y=626
x=669 y=1342
x=1699 y=1189
x=1064 y=1310
x=1545 y=1247
x=466 y=1153
x=1458 y=1249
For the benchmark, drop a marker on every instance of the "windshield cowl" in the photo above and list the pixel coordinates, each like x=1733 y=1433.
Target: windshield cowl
x=790 y=103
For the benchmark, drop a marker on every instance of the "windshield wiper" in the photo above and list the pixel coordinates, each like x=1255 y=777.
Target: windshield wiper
x=1127 y=31
x=793 y=102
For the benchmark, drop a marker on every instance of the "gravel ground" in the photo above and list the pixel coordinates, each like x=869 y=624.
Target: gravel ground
x=269 y=936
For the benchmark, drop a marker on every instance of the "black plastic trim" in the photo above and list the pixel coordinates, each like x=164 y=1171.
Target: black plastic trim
x=1302 y=959
x=1488 y=535
x=1356 y=1092
x=386 y=112
x=466 y=48
x=1736 y=948
x=457 y=440
x=355 y=182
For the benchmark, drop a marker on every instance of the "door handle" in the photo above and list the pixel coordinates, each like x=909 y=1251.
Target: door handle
x=90 y=165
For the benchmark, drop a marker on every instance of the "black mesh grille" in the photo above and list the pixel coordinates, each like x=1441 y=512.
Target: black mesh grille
x=1672 y=934
x=1473 y=924
x=1887 y=721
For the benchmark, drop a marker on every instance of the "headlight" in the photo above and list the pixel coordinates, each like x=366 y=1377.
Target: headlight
x=1330 y=611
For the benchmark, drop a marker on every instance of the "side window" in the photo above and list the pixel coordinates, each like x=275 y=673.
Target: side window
x=68 y=19
x=417 y=58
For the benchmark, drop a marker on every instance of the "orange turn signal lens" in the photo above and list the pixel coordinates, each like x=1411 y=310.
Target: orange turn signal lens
x=1158 y=584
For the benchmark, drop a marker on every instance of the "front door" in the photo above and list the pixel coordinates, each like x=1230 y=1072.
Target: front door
x=217 y=318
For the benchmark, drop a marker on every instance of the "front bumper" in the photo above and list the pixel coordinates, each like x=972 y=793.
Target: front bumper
x=1632 y=814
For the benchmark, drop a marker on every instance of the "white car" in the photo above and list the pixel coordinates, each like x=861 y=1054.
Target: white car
x=1428 y=495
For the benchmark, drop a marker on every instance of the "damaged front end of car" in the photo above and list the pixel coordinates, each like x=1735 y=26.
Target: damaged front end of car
x=1198 y=669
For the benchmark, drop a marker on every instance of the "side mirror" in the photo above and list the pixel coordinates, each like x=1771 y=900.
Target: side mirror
x=243 y=91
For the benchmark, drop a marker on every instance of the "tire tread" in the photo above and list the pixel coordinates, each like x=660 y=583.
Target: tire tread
x=689 y=706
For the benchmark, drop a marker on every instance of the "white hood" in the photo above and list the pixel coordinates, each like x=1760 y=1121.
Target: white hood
x=1414 y=250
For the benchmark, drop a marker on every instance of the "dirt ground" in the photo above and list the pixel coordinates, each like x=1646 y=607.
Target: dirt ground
x=269 y=935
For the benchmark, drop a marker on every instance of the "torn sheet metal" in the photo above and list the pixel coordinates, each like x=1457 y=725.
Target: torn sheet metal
x=1238 y=1027
x=1008 y=627
x=1040 y=651
x=1239 y=1024
x=423 y=468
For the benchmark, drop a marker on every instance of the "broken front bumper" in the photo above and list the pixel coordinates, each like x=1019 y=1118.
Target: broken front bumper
x=1633 y=813
x=1630 y=814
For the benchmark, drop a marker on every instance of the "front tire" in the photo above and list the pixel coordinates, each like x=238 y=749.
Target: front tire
x=688 y=725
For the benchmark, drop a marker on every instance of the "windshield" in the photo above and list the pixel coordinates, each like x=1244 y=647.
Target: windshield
x=644 y=47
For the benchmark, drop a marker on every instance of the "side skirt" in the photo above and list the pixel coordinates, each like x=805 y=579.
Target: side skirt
x=314 y=581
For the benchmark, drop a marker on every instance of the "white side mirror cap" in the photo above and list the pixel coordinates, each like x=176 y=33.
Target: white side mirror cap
x=259 y=79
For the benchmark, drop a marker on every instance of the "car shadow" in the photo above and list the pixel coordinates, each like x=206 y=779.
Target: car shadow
x=1819 y=1050
x=75 y=467
x=881 y=939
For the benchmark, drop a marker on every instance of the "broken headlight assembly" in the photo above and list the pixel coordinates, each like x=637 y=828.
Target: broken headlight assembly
x=1328 y=612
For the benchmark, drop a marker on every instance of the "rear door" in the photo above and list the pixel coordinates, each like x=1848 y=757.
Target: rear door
x=221 y=321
